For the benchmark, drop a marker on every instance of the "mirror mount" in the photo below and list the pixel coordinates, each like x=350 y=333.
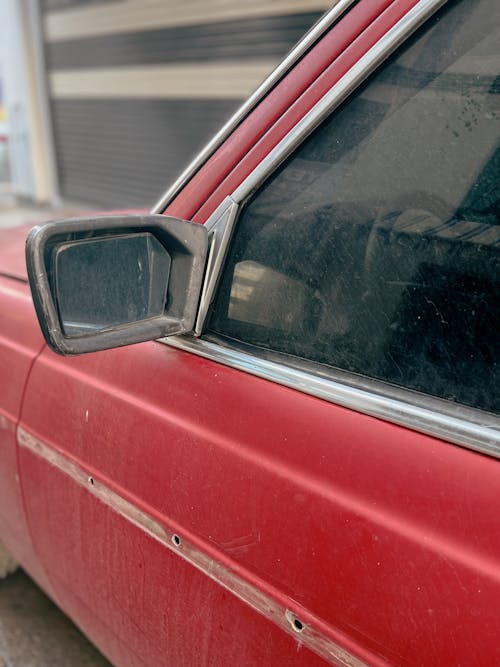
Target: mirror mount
x=110 y=281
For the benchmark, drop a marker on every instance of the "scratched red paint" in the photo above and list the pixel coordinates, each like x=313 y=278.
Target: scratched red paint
x=378 y=539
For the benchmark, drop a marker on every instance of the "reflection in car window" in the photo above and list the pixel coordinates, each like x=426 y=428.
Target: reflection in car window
x=375 y=248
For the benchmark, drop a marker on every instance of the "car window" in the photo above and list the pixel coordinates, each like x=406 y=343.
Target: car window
x=374 y=249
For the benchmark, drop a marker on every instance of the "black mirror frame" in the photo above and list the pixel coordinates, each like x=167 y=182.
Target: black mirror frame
x=187 y=244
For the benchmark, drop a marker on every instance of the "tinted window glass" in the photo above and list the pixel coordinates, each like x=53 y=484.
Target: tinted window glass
x=375 y=247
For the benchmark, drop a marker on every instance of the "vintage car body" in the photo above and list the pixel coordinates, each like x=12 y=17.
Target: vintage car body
x=209 y=502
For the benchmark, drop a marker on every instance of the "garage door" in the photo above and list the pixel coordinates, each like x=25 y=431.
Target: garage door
x=137 y=88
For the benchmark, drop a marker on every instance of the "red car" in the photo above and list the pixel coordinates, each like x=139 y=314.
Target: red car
x=298 y=465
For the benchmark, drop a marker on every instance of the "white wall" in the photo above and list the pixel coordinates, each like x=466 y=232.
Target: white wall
x=30 y=145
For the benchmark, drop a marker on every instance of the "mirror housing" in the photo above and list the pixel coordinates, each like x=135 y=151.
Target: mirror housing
x=105 y=282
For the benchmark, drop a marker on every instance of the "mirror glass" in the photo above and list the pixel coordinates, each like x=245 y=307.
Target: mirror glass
x=101 y=283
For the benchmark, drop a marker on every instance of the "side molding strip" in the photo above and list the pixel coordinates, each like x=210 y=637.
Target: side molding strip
x=291 y=622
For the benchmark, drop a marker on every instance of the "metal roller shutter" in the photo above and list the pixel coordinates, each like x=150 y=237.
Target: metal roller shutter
x=136 y=89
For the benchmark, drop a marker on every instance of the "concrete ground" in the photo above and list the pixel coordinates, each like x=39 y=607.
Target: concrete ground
x=33 y=631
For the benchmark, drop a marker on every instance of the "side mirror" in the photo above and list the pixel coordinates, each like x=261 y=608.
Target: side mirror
x=104 y=282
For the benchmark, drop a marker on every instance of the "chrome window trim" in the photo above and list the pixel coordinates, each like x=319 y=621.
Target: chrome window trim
x=221 y=223
x=220 y=227
x=455 y=423
x=458 y=424
x=317 y=30
x=339 y=93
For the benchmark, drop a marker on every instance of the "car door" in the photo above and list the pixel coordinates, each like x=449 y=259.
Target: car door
x=20 y=343
x=312 y=479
